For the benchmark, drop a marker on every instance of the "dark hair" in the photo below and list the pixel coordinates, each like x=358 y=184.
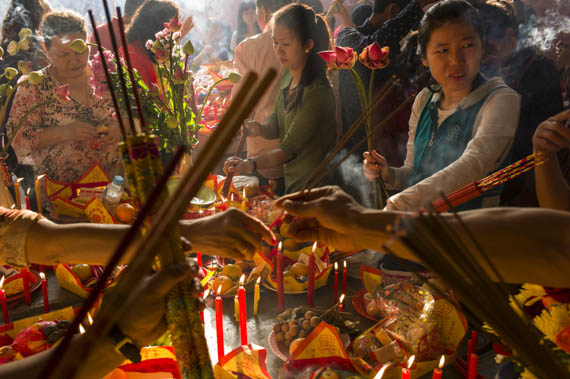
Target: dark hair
x=272 y=5
x=131 y=6
x=315 y=4
x=60 y=23
x=22 y=14
x=380 y=5
x=306 y=24
x=242 y=27
x=498 y=17
x=446 y=12
x=360 y=13
x=149 y=19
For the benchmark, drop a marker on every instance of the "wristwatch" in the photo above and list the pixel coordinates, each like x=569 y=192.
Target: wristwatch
x=125 y=345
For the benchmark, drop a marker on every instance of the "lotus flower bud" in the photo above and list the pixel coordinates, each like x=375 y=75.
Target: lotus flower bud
x=35 y=77
x=79 y=46
x=234 y=77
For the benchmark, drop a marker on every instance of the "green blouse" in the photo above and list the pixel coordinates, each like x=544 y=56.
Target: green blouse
x=306 y=133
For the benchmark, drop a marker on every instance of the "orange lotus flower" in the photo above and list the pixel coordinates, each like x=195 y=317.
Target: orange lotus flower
x=342 y=58
x=375 y=57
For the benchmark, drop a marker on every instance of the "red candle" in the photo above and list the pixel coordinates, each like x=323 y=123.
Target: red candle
x=204 y=296
x=341 y=303
x=26 y=283
x=406 y=372
x=199 y=257
x=469 y=351
x=438 y=371
x=344 y=278
x=279 y=271
x=335 y=281
x=220 y=324
x=3 y=301
x=472 y=372
x=311 y=278
x=242 y=311
x=28 y=206
x=215 y=111
x=474 y=337
x=44 y=292
x=207 y=113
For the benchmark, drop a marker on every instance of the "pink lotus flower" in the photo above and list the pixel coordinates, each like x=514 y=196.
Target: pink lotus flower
x=179 y=76
x=375 y=57
x=63 y=92
x=160 y=56
x=148 y=44
x=342 y=58
x=162 y=34
x=174 y=25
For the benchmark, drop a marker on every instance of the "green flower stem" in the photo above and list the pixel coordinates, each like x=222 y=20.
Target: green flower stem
x=22 y=120
x=199 y=117
x=7 y=101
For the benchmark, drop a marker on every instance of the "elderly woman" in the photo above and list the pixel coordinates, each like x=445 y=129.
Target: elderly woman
x=60 y=138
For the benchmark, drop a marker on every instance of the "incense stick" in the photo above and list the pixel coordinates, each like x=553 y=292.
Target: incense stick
x=107 y=75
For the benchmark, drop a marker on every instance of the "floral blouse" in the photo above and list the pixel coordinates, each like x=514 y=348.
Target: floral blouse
x=65 y=162
x=14 y=228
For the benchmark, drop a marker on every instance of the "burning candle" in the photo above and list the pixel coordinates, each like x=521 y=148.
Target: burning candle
x=28 y=205
x=341 y=303
x=335 y=281
x=220 y=324
x=311 y=277
x=438 y=371
x=26 y=283
x=380 y=373
x=244 y=202
x=472 y=372
x=3 y=301
x=236 y=308
x=256 y=296
x=81 y=329
x=406 y=372
x=344 y=277
x=17 y=191
x=204 y=295
x=39 y=193
x=242 y=311
x=199 y=259
x=44 y=292
x=279 y=271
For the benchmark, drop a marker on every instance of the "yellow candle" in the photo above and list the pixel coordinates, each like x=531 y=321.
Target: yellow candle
x=17 y=191
x=256 y=296
x=236 y=308
x=39 y=193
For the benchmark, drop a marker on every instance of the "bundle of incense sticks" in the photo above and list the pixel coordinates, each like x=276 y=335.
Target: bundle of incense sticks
x=476 y=189
x=143 y=167
x=441 y=243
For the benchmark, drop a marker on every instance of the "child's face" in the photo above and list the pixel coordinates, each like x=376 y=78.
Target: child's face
x=453 y=55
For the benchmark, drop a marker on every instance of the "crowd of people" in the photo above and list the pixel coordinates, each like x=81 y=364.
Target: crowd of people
x=483 y=99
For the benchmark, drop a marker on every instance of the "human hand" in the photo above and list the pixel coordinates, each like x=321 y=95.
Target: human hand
x=325 y=214
x=112 y=138
x=143 y=320
x=375 y=165
x=187 y=25
x=231 y=234
x=253 y=128
x=552 y=135
x=235 y=165
x=78 y=131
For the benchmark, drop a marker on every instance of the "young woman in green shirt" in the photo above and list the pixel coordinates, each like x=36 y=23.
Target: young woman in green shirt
x=304 y=114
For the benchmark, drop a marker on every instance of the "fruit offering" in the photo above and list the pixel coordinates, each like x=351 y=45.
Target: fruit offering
x=226 y=281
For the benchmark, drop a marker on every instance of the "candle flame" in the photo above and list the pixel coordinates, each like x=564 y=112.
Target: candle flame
x=442 y=361
x=341 y=299
x=18 y=180
x=13 y=206
x=81 y=329
x=314 y=246
x=380 y=373
x=200 y=212
x=206 y=294
x=242 y=280
x=258 y=280
x=219 y=289
x=2 y=281
x=28 y=191
x=411 y=361
x=336 y=266
x=280 y=246
x=40 y=177
x=344 y=264
x=244 y=197
x=42 y=276
x=223 y=200
x=89 y=318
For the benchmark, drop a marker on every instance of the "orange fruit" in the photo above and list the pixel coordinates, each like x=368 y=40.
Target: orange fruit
x=125 y=212
x=233 y=271
x=223 y=284
x=295 y=344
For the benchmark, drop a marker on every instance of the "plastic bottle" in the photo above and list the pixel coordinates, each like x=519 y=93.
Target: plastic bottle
x=113 y=193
